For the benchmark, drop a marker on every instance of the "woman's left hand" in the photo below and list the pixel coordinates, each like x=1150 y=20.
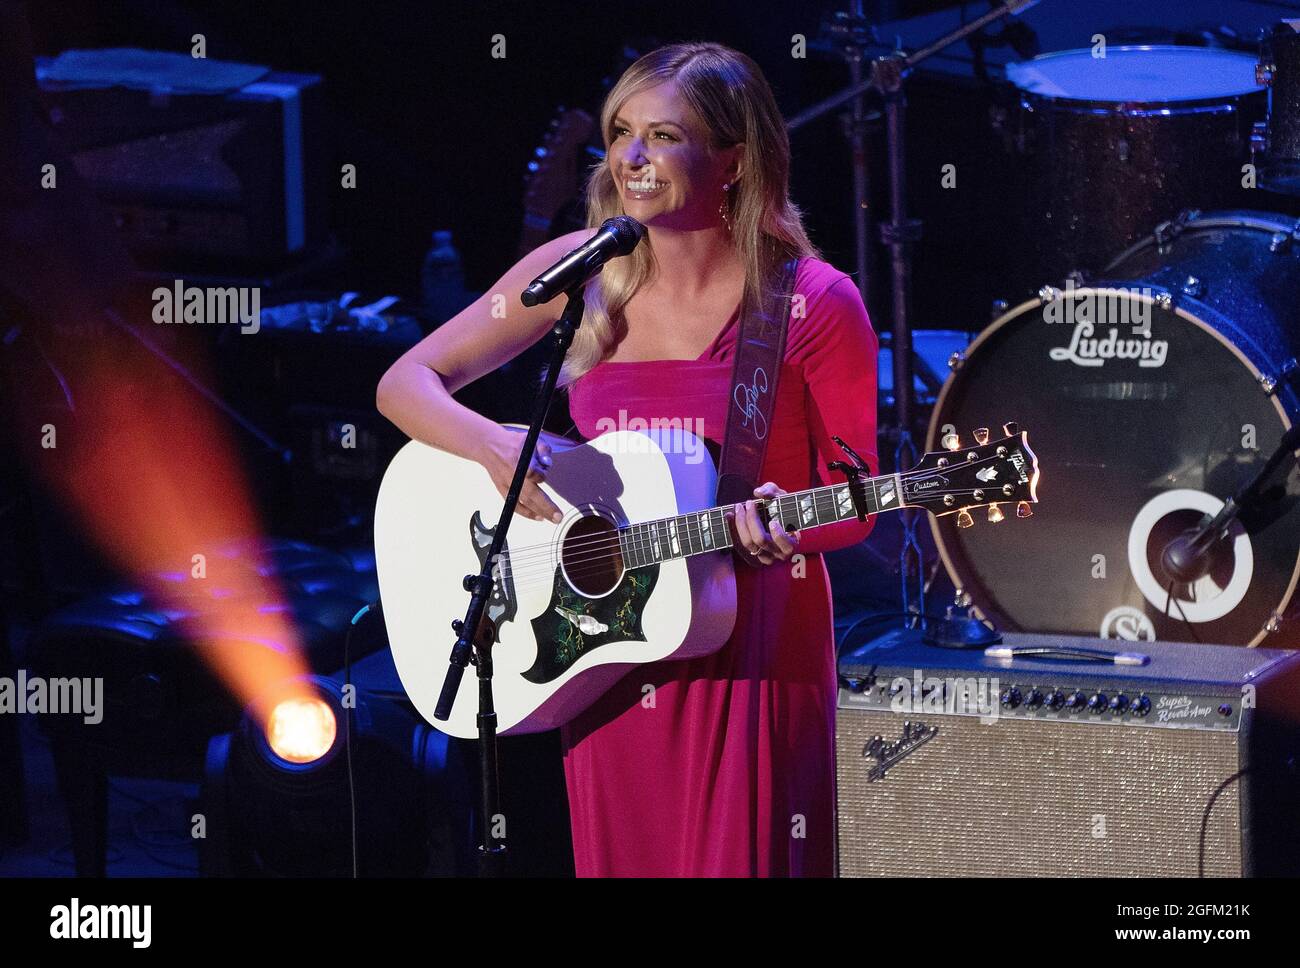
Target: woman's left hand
x=754 y=540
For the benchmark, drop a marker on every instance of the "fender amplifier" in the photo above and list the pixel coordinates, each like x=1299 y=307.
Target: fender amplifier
x=1178 y=760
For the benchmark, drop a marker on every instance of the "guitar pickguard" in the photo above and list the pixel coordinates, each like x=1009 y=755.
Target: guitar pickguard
x=561 y=643
x=501 y=606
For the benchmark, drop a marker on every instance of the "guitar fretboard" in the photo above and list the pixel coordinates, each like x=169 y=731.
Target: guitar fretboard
x=698 y=532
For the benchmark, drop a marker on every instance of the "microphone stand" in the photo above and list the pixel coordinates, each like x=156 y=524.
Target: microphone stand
x=474 y=635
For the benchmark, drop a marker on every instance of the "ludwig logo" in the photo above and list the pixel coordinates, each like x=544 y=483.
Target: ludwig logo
x=1087 y=350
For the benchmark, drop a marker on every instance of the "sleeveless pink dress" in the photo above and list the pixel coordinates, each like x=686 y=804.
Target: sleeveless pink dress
x=731 y=772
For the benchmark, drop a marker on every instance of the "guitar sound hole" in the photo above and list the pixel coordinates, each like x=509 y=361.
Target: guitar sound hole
x=590 y=556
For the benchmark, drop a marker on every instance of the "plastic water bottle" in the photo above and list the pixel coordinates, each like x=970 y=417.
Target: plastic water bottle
x=442 y=280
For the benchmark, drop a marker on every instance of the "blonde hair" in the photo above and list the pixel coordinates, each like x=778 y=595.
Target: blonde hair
x=729 y=94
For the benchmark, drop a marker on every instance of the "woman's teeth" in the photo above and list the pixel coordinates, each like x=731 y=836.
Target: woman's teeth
x=647 y=185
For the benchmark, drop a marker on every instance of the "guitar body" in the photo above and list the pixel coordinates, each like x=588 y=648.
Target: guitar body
x=638 y=570
x=569 y=619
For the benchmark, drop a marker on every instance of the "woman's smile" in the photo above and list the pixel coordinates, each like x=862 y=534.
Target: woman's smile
x=642 y=187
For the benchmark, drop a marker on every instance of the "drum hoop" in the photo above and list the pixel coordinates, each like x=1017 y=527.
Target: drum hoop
x=1226 y=104
x=1263 y=221
x=1060 y=102
x=997 y=324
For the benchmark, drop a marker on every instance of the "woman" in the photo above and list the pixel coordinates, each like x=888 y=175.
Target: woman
x=722 y=765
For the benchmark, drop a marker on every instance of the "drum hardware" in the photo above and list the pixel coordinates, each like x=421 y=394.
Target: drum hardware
x=1258 y=140
x=1269 y=382
x=1275 y=143
x=887 y=78
x=1145 y=440
x=1166 y=232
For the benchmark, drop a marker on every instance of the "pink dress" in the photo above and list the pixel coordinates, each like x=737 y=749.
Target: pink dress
x=731 y=772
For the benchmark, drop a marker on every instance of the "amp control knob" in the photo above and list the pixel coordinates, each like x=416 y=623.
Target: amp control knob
x=1098 y=702
x=1119 y=703
x=1034 y=699
x=1011 y=697
x=1076 y=701
x=1054 y=699
x=1141 y=706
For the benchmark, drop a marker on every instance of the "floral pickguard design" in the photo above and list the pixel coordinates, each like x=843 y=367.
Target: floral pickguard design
x=614 y=618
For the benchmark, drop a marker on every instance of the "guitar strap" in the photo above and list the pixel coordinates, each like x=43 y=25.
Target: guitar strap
x=759 y=351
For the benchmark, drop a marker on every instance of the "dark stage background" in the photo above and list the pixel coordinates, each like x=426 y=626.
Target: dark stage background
x=441 y=133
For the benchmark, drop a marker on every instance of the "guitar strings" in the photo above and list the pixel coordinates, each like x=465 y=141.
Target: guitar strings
x=544 y=553
x=531 y=553
x=521 y=565
x=598 y=551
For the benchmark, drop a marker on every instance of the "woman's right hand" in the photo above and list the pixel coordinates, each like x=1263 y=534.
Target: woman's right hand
x=500 y=455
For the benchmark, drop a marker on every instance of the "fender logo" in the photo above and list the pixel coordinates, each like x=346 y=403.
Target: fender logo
x=888 y=755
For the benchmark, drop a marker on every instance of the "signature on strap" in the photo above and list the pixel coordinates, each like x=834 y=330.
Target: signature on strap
x=746 y=398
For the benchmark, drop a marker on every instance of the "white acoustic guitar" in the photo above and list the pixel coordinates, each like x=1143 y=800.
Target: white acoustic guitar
x=639 y=569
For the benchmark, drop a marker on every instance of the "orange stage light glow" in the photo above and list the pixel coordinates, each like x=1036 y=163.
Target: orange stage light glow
x=151 y=471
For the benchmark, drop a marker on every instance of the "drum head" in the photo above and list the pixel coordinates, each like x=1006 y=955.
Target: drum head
x=1143 y=420
x=1137 y=75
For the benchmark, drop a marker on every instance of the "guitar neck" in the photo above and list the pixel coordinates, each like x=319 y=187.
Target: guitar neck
x=698 y=532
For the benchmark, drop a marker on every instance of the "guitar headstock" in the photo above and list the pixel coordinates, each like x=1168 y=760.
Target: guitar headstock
x=553 y=172
x=999 y=477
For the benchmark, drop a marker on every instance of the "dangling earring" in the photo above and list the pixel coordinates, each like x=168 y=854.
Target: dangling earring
x=722 y=207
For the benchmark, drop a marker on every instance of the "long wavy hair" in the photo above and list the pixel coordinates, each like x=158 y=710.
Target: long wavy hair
x=729 y=94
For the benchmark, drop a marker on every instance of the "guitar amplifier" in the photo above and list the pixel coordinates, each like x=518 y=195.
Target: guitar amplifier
x=954 y=764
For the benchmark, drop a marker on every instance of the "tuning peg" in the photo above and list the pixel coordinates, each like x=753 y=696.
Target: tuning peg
x=995 y=513
x=1011 y=428
x=964 y=520
x=951 y=442
x=981 y=435
x=1023 y=510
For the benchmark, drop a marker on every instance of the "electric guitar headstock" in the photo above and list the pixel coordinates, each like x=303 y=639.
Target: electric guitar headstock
x=995 y=477
x=554 y=174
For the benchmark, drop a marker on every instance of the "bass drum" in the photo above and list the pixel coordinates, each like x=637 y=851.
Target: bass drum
x=1149 y=400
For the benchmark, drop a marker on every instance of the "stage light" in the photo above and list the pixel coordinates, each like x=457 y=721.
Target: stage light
x=301 y=730
x=284 y=797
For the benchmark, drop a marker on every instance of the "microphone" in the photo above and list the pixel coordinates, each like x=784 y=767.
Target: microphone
x=1189 y=557
x=617 y=236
